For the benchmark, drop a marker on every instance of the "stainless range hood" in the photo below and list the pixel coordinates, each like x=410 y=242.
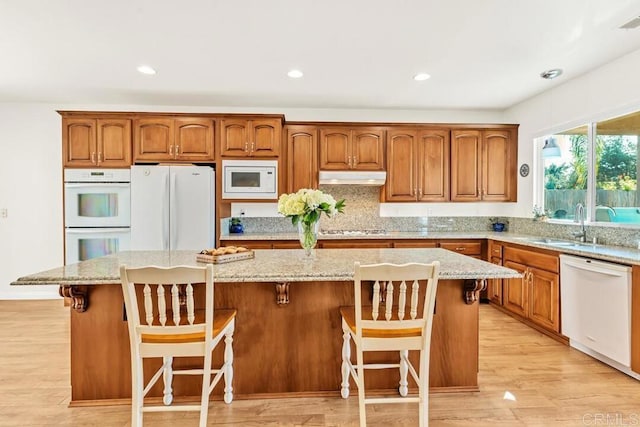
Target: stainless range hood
x=375 y=178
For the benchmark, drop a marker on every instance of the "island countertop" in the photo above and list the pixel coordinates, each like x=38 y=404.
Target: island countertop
x=284 y=265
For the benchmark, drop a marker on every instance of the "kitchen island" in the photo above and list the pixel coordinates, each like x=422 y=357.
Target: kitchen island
x=288 y=336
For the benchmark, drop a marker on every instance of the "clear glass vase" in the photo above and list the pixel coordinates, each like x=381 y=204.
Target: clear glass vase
x=308 y=234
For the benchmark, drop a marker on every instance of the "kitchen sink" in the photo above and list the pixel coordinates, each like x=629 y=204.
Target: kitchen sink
x=555 y=242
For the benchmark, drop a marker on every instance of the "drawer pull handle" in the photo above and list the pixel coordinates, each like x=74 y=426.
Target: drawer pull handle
x=460 y=249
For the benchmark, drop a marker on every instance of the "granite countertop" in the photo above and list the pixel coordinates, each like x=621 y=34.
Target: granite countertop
x=290 y=265
x=617 y=254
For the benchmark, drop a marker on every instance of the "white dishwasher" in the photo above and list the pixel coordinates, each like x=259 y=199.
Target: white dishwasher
x=596 y=309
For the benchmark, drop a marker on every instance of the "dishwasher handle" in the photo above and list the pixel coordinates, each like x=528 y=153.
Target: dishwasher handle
x=588 y=266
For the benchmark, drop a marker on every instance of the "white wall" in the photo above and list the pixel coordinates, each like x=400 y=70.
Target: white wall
x=31 y=191
x=31 y=237
x=611 y=90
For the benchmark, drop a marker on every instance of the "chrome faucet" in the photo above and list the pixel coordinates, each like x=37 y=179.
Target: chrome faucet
x=579 y=217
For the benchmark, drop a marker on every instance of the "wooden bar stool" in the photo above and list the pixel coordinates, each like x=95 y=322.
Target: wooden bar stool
x=398 y=317
x=170 y=323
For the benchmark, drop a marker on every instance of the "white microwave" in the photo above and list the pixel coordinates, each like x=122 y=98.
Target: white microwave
x=249 y=179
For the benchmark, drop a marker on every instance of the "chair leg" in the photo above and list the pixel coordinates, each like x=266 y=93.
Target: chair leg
x=228 y=367
x=360 y=384
x=404 y=370
x=137 y=397
x=423 y=389
x=346 y=360
x=206 y=385
x=167 y=377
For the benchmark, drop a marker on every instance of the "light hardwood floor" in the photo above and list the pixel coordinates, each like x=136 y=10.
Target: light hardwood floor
x=552 y=385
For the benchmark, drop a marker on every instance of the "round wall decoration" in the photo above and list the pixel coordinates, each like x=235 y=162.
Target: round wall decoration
x=524 y=170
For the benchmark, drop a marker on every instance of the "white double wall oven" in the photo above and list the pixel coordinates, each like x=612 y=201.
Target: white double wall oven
x=97 y=212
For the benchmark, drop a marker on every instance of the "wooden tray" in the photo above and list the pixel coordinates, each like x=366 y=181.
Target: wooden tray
x=221 y=259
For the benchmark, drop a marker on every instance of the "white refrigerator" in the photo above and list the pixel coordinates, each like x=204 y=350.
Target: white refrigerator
x=172 y=207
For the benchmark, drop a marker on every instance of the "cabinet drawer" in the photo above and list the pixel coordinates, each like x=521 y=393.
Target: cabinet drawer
x=415 y=244
x=530 y=258
x=466 y=248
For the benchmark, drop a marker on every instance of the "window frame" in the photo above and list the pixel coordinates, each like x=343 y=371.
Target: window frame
x=590 y=205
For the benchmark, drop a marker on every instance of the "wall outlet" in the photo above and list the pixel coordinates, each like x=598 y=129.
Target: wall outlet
x=4 y=212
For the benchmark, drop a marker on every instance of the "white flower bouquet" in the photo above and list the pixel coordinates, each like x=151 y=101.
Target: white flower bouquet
x=304 y=208
x=307 y=205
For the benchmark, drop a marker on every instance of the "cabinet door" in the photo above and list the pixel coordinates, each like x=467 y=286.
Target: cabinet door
x=401 y=185
x=334 y=149
x=494 y=287
x=194 y=139
x=153 y=139
x=433 y=165
x=499 y=166
x=79 y=143
x=544 y=299
x=302 y=157
x=234 y=137
x=367 y=149
x=265 y=137
x=465 y=165
x=514 y=291
x=114 y=142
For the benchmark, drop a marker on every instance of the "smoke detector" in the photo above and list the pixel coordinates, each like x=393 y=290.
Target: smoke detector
x=634 y=23
x=551 y=74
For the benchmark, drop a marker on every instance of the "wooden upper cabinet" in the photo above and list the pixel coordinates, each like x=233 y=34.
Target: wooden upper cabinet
x=433 y=165
x=465 y=165
x=499 y=178
x=367 y=149
x=173 y=139
x=483 y=165
x=194 y=139
x=401 y=182
x=335 y=149
x=96 y=142
x=153 y=139
x=250 y=137
x=417 y=165
x=114 y=142
x=346 y=148
x=302 y=157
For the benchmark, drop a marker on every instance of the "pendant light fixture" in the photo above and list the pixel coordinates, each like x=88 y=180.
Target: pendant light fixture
x=551 y=148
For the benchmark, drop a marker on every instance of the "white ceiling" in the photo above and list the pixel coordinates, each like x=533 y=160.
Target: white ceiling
x=482 y=54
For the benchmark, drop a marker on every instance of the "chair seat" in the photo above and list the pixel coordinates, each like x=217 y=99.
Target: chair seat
x=220 y=320
x=349 y=316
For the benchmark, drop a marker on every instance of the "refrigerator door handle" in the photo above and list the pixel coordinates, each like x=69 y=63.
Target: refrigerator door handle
x=173 y=214
x=165 y=217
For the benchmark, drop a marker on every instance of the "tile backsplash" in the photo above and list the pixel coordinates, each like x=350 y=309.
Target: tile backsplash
x=362 y=212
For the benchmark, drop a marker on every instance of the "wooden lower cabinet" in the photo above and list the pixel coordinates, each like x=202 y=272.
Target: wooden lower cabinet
x=494 y=286
x=544 y=303
x=536 y=296
x=515 y=290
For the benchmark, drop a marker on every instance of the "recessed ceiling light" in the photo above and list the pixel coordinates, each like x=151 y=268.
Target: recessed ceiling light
x=421 y=77
x=145 y=69
x=295 y=74
x=551 y=74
